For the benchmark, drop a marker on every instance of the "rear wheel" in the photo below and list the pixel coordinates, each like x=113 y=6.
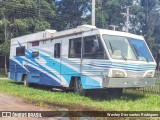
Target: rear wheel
x=78 y=87
x=116 y=92
x=26 y=83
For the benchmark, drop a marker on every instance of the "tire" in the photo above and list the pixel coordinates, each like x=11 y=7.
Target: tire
x=115 y=92
x=26 y=83
x=78 y=89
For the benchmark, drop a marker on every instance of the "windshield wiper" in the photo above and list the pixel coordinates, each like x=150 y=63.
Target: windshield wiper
x=118 y=52
x=124 y=57
x=111 y=47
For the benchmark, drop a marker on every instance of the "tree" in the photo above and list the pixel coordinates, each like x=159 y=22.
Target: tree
x=150 y=20
x=21 y=17
x=71 y=13
x=108 y=12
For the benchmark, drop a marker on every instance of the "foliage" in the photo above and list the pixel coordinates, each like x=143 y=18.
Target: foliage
x=108 y=12
x=151 y=22
x=26 y=16
x=5 y=46
x=73 y=12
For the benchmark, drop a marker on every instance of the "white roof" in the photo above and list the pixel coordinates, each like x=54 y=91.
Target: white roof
x=49 y=34
x=119 y=33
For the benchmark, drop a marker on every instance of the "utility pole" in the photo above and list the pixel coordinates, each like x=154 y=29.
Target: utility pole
x=114 y=27
x=127 y=17
x=93 y=12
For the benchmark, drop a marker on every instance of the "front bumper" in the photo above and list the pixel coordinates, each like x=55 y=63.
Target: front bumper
x=128 y=82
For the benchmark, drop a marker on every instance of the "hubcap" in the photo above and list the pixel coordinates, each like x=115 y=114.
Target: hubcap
x=25 y=81
x=78 y=86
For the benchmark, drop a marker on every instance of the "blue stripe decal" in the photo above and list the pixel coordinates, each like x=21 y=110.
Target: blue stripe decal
x=126 y=67
x=20 y=59
x=44 y=78
x=69 y=70
x=95 y=84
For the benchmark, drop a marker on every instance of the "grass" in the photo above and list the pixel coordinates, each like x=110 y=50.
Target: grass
x=2 y=76
x=128 y=102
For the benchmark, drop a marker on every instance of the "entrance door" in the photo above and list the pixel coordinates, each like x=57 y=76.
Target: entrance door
x=57 y=60
x=93 y=60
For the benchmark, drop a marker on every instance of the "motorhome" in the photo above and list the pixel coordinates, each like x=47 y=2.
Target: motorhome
x=82 y=58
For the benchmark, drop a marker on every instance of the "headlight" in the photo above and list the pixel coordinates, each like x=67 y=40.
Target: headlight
x=117 y=73
x=149 y=74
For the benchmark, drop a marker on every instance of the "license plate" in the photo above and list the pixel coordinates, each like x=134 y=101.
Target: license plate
x=137 y=83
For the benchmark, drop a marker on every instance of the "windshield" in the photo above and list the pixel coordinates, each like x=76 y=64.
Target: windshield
x=127 y=48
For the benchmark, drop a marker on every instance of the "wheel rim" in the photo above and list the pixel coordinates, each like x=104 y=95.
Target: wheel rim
x=25 y=81
x=78 y=86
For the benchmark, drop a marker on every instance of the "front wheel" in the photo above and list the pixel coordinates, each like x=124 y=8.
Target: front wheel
x=78 y=89
x=116 y=92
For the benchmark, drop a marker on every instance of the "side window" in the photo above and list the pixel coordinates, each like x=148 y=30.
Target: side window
x=57 y=50
x=75 y=48
x=93 y=48
x=20 y=51
x=36 y=43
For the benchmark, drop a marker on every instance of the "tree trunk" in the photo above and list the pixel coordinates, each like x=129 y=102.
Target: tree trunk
x=5 y=66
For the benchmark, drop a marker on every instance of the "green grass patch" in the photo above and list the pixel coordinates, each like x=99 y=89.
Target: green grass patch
x=2 y=76
x=128 y=102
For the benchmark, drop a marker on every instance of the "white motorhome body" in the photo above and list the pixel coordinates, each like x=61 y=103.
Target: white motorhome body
x=96 y=58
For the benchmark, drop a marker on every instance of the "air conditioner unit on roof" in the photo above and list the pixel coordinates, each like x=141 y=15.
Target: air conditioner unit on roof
x=50 y=31
x=87 y=26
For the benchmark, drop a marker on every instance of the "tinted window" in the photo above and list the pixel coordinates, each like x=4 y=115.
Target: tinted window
x=141 y=50
x=57 y=50
x=36 y=43
x=75 y=48
x=20 y=51
x=93 y=48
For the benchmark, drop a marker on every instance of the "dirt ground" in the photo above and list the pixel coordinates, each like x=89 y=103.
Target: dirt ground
x=11 y=103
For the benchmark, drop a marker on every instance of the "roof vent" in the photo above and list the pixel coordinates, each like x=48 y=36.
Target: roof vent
x=50 y=31
x=87 y=26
